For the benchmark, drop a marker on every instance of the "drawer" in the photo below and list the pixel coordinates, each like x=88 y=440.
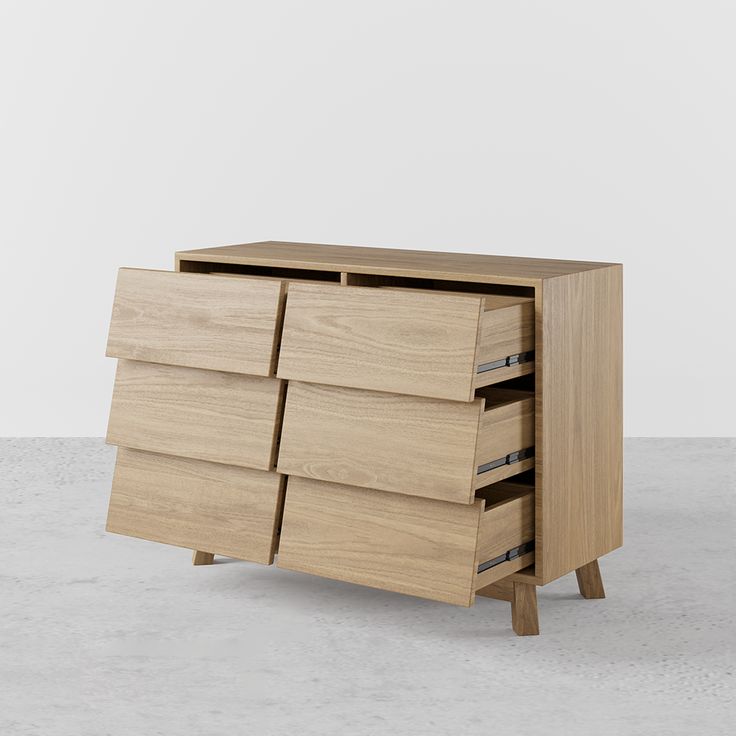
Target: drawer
x=406 y=444
x=200 y=505
x=434 y=344
x=431 y=549
x=196 y=320
x=206 y=415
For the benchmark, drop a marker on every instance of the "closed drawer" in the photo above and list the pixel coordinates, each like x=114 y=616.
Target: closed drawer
x=406 y=444
x=431 y=549
x=200 y=505
x=196 y=320
x=430 y=344
x=206 y=415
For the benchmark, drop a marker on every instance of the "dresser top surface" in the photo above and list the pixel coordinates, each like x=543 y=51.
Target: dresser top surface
x=392 y=262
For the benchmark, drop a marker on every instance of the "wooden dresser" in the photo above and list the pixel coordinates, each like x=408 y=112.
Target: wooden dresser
x=436 y=424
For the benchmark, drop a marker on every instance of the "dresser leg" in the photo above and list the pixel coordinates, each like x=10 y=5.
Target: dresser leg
x=524 y=616
x=202 y=558
x=589 y=581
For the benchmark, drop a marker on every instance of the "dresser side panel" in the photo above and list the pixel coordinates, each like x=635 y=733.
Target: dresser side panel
x=579 y=459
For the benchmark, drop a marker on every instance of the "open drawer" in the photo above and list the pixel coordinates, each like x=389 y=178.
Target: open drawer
x=406 y=444
x=206 y=415
x=434 y=344
x=200 y=505
x=197 y=320
x=431 y=549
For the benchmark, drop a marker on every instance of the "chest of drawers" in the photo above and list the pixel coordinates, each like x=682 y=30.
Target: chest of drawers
x=437 y=424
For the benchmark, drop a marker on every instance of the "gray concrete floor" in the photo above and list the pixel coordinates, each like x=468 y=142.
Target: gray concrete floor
x=101 y=634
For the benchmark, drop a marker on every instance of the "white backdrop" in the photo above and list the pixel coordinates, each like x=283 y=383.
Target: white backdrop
x=590 y=130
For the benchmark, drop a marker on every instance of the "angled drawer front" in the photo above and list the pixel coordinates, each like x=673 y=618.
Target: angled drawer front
x=196 y=320
x=401 y=341
x=405 y=444
x=206 y=415
x=195 y=504
x=396 y=542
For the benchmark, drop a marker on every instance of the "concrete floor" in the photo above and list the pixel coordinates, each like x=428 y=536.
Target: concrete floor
x=101 y=634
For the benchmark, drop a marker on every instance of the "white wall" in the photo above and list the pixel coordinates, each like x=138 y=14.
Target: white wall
x=590 y=130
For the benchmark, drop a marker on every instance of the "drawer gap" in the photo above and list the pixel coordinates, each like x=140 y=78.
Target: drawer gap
x=511 y=554
x=272 y=272
x=439 y=285
x=510 y=459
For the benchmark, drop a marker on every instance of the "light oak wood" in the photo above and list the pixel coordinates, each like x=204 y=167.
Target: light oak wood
x=405 y=444
x=404 y=341
x=396 y=542
x=506 y=425
x=503 y=590
x=524 y=616
x=507 y=521
x=207 y=415
x=202 y=558
x=579 y=453
x=196 y=320
x=380 y=339
x=504 y=570
x=573 y=325
x=200 y=505
x=589 y=581
x=393 y=262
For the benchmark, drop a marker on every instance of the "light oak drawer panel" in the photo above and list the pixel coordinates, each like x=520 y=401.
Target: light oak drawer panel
x=396 y=542
x=420 y=343
x=404 y=444
x=206 y=415
x=200 y=505
x=196 y=320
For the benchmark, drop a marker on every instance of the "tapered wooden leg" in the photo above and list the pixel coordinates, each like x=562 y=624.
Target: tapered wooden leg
x=524 y=616
x=202 y=558
x=589 y=581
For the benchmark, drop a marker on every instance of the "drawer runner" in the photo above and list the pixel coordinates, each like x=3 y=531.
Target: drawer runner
x=510 y=459
x=505 y=362
x=512 y=554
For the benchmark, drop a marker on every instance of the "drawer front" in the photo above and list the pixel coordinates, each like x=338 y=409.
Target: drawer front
x=407 y=545
x=405 y=444
x=206 y=415
x=422 y=547
x=196 y=320
x=380 y=339
x=433 y=344
x=200 y=505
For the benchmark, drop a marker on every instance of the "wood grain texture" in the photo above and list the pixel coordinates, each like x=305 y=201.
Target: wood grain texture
x=381 y=339
x=391 y=541
x=207 y=415
x=590 y=582
x=524 y=615
x=392 y=262
x=200 y=505
x=579 y=450
x=418 y=446
x=506 y=522
x=202 y=558
x=506 y=330
x=196 y=320
x=405 y=444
